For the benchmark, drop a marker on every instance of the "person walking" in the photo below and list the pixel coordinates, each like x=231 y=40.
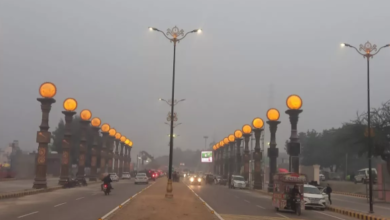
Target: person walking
x=328 y=191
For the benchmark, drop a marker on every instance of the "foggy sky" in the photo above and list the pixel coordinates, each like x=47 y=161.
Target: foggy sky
x=249 y=58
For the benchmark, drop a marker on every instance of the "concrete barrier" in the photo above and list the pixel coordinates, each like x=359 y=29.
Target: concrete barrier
x=354 y=214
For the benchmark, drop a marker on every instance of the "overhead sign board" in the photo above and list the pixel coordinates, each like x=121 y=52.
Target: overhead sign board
x=207 y=156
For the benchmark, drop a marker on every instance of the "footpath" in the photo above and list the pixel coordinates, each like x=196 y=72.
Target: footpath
x=151 y=204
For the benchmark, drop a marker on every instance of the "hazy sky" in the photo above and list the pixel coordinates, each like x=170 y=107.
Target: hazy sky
x=250 y=57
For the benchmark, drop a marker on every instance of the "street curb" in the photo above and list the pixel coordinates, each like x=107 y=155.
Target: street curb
x=110 y=214
x=208 y=206
x=32 y=192
x=354 y=214
x=350 y=194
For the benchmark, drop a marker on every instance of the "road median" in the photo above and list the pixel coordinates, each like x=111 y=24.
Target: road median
x=151 y=204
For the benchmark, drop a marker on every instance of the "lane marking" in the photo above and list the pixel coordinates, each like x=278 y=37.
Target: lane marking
x=80 y=198
x=212 y=210
x=246 y=201
x=260 y=207
x=330 y=215
x=32 y=213
x=282 y=215
x=123 y=203
x=60 y=204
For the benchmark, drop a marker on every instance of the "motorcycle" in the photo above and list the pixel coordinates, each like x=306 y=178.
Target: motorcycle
x=297 y=205
x=106 y=189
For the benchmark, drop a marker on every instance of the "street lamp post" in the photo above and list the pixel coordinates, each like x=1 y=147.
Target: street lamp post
x=85 y=115
x=95 y=122
x=231 y=156
x=223 y=155
x=247 y=130
x=258 y=124
x=122 y=157
x=70 y=105
x=294 y=103
x=226 y=161
x=116 y=158
x=47 y=91
x=110 y=155
x=217 y=156
x=130 y=147
x=103 y=152
x=273 y=152
x=238 y=137
x=170 y=103
x=175 y=34
x=368 y=50
x=127 y=161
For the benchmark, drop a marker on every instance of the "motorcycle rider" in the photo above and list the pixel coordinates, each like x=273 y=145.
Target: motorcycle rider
x=107 y=180
x=293 y=193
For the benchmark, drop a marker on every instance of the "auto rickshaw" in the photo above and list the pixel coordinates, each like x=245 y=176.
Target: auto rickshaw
x=283 y=183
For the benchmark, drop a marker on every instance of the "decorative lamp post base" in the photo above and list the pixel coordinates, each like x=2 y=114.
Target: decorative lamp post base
x=40 y=184
x=169 y=193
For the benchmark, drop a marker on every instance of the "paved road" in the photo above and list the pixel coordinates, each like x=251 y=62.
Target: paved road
x=235 y=204
x=360 y=204
x=86 y=203
x=26 y=184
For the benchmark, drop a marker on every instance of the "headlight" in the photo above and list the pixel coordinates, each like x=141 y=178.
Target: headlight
x=192 y=179
x=199 y=179
x=184 y=175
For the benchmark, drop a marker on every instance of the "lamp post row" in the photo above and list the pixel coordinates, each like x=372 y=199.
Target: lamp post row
x=112 y=150
x=227 y=153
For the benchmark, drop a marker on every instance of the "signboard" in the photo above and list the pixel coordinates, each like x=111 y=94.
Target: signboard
x=207 y=156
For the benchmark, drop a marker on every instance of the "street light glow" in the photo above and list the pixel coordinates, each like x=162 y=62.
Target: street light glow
x=199 y=30
x=342 y=45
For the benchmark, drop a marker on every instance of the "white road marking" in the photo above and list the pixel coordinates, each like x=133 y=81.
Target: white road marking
x=80 y=198
x=330 y=215
x=215 y=213
x=246 y=201
x=32 y=213
x=260 y=207
x=60 y=204
x=282 y=215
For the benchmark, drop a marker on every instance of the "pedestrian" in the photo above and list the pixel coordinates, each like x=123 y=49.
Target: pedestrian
x=328 y=191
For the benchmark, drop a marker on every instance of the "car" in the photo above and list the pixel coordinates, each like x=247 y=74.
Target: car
x=126 y=175
x=194 y=180
x=141 y=178
x=363 y=176
x=313 y=197
x=322 y=177
x=237 y=182
x=114 y=177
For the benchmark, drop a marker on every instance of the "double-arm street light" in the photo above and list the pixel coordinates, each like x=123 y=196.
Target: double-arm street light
x=368 y=51
x=176 y=36
x=170 y=102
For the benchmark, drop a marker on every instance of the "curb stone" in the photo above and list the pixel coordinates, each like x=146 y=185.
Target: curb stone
x=351 y=194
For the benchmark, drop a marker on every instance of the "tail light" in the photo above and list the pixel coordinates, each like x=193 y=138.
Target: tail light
x=105 y=186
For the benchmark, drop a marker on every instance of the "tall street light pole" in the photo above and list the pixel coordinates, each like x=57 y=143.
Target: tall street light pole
x=176 y=36
x=170 y=103
x=369 y=51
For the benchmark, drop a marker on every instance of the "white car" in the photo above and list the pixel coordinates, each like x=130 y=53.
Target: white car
x=114 y=177
x=141 y=178
x=313 y=197
x=322 y=177
x=126 y=175
x=238 y=182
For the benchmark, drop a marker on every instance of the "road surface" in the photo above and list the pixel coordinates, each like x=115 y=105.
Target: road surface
x=236 y=204
x=25 y=184
x=86 y=203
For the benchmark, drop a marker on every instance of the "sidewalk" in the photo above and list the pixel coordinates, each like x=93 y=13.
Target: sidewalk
x=151 y=204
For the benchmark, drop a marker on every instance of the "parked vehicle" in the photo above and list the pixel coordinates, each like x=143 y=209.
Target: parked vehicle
x=322 y=177
x=313 y=197
x=126 y=175
x=114 y=177
x=237 y=182
x=362 y=176
x=141 y=178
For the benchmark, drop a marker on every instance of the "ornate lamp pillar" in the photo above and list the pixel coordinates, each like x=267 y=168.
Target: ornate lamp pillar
x=110 y=144
x=127 y=160
x=294 y=103
x=85 y=115
x=226 y=144
x=238 y=138
x=95 y=122
x=247 y=130
x=47 y=91
x=121 y=160
x=116 y=158
x=258 y=124
x=70 y=105
x=214 y=159
x=130 y=147
x=223 y=153
x=273 y=152
x=218 y=155
x=103 y=152
x=230 y=146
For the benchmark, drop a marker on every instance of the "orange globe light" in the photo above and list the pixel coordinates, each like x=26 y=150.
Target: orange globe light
x=70 y=104
x=123 y=139
x=247 y=129
x=231 y=138
x=105 y=127
x=217 y=145
x=85 y=114
x=221 y=144
x=118 y=136
x=127 y=141
x=112 y=132
x=226 y=140
x=258 y=123
x=273 y=114
x=47 y=90
x=294 y=102
x=131 y=143
x=95 y=122
x=238 y=134
x=214 y=147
